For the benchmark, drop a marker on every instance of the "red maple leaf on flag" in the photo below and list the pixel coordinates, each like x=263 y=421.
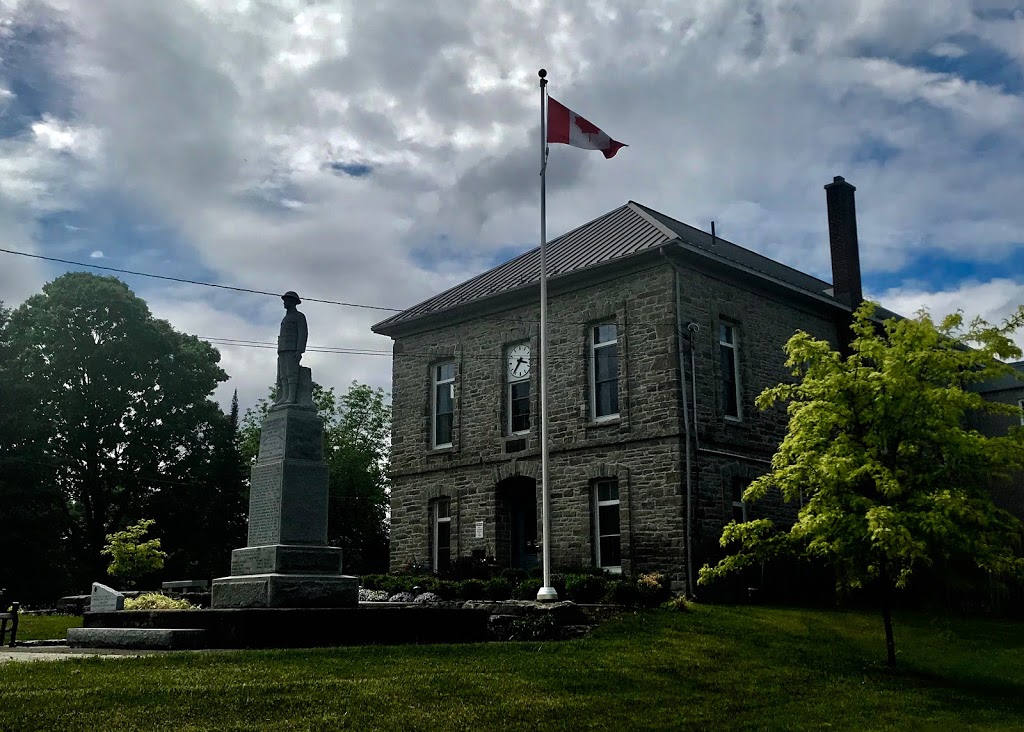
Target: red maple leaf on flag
x=587 y=127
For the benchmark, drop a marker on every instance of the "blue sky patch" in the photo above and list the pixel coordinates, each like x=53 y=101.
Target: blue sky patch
x=354 y=170
x=130 y=238
x=26 y=71
x=979 y=63
x=941 y=271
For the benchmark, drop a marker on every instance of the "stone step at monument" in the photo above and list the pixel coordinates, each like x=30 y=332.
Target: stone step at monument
x=142 y=639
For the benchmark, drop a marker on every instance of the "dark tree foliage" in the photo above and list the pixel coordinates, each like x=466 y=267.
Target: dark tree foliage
x=33 y=514
x=357 y=432
x=118 y=420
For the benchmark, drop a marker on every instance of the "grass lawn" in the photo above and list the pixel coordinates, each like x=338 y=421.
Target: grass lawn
x=46 y=627
x=716 y=668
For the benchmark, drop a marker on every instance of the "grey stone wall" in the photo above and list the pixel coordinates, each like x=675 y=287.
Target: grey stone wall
x=644 y=448
x=1008 y=493
x=763 y=324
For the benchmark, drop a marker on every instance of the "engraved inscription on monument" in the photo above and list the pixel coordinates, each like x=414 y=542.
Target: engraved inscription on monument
x=272 y=440
x=265 y=504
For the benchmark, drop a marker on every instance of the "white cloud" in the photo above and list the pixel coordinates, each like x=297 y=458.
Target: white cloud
x=947 y=50
x=58 y=136
x=221 y=119
x=994 y=300
x=97 y=254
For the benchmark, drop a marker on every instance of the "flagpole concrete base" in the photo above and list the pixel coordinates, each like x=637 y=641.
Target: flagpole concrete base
x=547 y=594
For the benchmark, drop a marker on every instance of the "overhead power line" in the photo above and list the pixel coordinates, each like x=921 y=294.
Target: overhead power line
x=196 y=282
x=232 y=288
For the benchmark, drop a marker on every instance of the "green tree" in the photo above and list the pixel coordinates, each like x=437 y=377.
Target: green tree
x=357 y=432
x=892 y=481
x=33 y=516
x=131 y=557
x=120 y=401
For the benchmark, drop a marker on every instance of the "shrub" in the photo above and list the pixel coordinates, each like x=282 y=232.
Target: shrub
x=402 y=597
x=678 y=604
x=652 y=589
x=512 y=575
x=585 y=588
x=527 y=589
x=373 y=581
x=472 y=589
x=444 y=589
x=622 y=592
x=498 y=588
x=156 y=601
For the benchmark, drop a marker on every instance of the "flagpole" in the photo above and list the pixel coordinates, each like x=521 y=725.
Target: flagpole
x=547 y=593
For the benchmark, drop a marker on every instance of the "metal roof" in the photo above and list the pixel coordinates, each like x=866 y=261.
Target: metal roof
x=627 y=230
x=738 y=254
x=618 y=233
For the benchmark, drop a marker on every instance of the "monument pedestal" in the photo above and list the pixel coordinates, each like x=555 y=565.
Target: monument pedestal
x=287 y=562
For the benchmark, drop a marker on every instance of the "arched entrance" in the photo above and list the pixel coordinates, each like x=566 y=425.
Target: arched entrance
x=516 y=540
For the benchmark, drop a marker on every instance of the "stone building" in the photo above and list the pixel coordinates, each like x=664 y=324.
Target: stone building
x=660 y=338
x=1007 y=493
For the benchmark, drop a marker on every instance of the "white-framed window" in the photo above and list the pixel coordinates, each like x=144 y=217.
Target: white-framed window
x=443 y=409
x=728 y=348
x=519 y=407
x=442 y=539
x=604 y=371
x=1020 y=403
x=739 y=506
x=607 y=535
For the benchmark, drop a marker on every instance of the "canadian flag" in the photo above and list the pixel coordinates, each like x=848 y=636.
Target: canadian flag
x=567 y=127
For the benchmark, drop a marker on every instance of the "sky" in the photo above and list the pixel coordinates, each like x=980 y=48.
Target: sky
x=377 y=153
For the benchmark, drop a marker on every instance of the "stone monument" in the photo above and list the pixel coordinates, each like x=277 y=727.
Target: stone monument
x=103 y=599
x=287 y=562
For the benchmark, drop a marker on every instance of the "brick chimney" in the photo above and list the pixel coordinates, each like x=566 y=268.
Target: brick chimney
x=842 y=236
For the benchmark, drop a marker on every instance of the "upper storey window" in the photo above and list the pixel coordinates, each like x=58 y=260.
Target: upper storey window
x=443 y=404
x=604 y=371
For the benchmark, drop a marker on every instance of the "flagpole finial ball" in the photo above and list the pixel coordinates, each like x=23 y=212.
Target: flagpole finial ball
x=542 y=73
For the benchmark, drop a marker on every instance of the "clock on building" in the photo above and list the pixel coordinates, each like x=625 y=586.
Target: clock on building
x=518 y=361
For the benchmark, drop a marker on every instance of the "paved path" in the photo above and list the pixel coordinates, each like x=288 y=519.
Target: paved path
x=57 y=653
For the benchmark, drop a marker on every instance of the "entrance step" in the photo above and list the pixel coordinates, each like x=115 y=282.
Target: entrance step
x=166 y=639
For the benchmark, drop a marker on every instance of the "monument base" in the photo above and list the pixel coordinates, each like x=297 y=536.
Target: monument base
x=285 y=590
x=286 y=559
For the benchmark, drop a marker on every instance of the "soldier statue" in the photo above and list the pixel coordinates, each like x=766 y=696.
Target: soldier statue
x=291 y=343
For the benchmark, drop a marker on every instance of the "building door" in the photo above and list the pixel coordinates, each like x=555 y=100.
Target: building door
x=517 y=508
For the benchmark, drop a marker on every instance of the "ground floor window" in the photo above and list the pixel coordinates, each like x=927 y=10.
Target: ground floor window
x=608 y=539
x=442 y=549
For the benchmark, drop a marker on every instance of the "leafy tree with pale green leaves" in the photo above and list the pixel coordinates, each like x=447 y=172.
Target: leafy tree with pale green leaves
x=357 y=446
x=892 y=480
x=131 y=557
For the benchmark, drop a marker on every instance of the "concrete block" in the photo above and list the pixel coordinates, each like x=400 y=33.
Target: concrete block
x=169 y=639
